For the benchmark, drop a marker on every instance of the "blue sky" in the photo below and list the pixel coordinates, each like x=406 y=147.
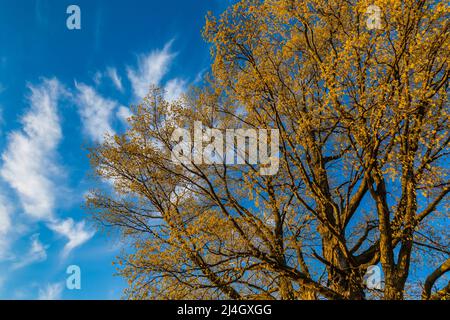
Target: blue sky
x=60 y=91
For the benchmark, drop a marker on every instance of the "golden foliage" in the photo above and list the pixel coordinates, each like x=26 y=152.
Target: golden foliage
x=363 y=118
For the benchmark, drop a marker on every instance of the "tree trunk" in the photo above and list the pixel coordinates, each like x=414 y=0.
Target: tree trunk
x=341 y=277
x=393 y=290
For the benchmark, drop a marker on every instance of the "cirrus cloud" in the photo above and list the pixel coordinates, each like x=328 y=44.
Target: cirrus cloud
x=150 y=70
x=31 y=169
x=51 y=291
x=95 y=111
x=33 y=148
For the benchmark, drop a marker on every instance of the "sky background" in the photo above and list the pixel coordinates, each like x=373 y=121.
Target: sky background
x=60 y=91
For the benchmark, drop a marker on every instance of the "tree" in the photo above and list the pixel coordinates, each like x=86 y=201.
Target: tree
x=363 y=122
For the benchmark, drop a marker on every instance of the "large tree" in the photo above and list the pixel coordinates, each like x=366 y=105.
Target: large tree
x=363 y=121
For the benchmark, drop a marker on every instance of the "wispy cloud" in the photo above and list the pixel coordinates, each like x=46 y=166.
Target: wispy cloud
x=95 y=111
x=32 y=149
x=174 y=88
x=97 y=78
x=115 y=78
x=5 y=226
x=36 y=253
x=76 y=233
x=31 y=169
x=123 y=113
x=150 y=70
x=51 y=291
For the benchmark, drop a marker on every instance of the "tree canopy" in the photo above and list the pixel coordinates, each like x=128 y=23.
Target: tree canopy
x=363 y=176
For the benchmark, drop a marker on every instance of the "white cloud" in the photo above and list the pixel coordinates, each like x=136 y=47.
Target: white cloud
x=5 y=227
x=28 y=162
x=150 y=70
x=97 y=78
x=30 y=168
x=174 y=88
x=76 y=233
x=52 y=291
x=124 y=114
x=5 y=219
x=115 y=78
x=95 y=111
x=36 y=253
